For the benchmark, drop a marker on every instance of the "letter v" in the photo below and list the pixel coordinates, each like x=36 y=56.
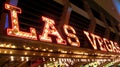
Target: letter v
x=92 y=40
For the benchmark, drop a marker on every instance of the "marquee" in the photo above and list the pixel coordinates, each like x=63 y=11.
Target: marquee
x=96 y=41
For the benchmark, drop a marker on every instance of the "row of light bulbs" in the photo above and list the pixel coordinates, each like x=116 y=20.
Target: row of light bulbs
x=85 y=55
x=12 y=58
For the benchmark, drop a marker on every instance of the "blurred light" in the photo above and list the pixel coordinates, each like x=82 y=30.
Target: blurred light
x=22 y=58
x=11 y=58
x=25 y=53
x=27 y=48
x=11 y=52
x=5 y=51
x=27 y=58
x=51 y=50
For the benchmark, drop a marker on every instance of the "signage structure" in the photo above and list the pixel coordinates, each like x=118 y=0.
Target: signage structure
x=50 y=29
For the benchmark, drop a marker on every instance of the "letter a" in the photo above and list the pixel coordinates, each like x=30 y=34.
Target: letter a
x=49 y=29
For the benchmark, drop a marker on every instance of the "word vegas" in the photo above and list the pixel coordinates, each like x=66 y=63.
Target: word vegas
x=49 y=29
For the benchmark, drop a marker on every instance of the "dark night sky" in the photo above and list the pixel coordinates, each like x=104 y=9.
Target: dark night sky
x=112 y=6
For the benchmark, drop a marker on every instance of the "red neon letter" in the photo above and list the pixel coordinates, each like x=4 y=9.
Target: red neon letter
x=101 y=43
x=114 y=47
x=49 y=29
x=92 y=41
x=108 y=45
x=117 y=47
x=14 y=30
x=71 y=35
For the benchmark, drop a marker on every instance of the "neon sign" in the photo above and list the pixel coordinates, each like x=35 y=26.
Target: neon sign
x=50 y=29
x=105 y=44
x=71 y=35
x=14 y=30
